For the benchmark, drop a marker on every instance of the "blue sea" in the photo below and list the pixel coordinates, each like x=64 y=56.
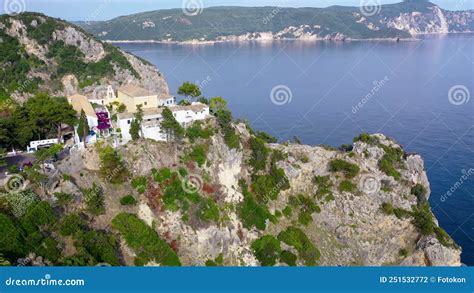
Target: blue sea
x=419 y=93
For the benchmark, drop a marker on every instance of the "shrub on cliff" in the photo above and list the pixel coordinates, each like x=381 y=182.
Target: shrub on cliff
x=348 y=169
x=267 y=250
x=420 y=192
x=144 y=240
x=293 y=236
x=390 y=161
x=112 y=168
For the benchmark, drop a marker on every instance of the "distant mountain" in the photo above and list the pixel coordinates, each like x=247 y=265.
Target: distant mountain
x=40 y=53
x=402 y=20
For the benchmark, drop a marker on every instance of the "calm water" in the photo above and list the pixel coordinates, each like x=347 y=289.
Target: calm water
x=409 y=100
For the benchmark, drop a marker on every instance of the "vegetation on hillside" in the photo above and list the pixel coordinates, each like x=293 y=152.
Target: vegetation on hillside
x=21 y=70
x=41 y=117
x=148 y=246
x=216 y=22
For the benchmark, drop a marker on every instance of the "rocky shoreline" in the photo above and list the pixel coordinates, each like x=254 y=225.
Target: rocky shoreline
x=264 y=40
x=196 y=42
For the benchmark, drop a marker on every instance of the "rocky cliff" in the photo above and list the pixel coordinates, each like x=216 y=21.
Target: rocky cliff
x=45 y=54
x=364 y=217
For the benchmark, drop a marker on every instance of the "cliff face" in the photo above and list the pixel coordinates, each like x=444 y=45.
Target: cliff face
x=348 y=227
x=63 y=59
x=352 y=228
x=432 y=21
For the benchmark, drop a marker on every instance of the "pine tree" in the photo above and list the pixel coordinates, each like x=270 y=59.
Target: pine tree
x=83 y=128
x=170 y=126
x=188 y=89
x=135 y=130
x=135 y=126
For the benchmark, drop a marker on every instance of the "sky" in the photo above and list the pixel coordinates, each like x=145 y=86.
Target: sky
x=107 y=9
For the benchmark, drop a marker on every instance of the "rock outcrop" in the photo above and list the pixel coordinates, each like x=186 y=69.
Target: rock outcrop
x=351 y=228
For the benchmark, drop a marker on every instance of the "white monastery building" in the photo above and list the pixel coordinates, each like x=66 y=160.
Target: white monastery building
x=131 y=96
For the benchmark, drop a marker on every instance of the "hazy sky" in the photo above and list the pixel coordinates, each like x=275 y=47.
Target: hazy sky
x=107 y=9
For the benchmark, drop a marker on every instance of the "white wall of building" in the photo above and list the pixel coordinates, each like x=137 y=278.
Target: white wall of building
x=151 y=123
x=186 y=117
x=167 y=102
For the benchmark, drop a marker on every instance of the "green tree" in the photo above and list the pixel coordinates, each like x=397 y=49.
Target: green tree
x=3 y=153
x=170 y=126
x=45 y=154
x=135 y=130
x=94 y=199
x=112 y=168
x=135 y=126
x=83 y=128
x=217 y=103
x=47 y=114
x=12 y=245
x=42 y=155
x=121 y=108
x=139 y=113
x=188 y=89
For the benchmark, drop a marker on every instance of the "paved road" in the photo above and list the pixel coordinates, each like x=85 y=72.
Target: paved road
x=16 y=160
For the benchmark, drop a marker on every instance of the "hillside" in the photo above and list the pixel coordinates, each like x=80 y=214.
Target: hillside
x=217 y=194
x=40 y=53
x=403 y=20
x=202 y=202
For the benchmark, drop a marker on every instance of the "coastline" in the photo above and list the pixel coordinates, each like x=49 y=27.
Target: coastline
x=204 y=43
x=194 y=42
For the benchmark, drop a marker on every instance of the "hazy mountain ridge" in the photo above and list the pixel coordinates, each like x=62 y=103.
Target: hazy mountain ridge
x=393 y=21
